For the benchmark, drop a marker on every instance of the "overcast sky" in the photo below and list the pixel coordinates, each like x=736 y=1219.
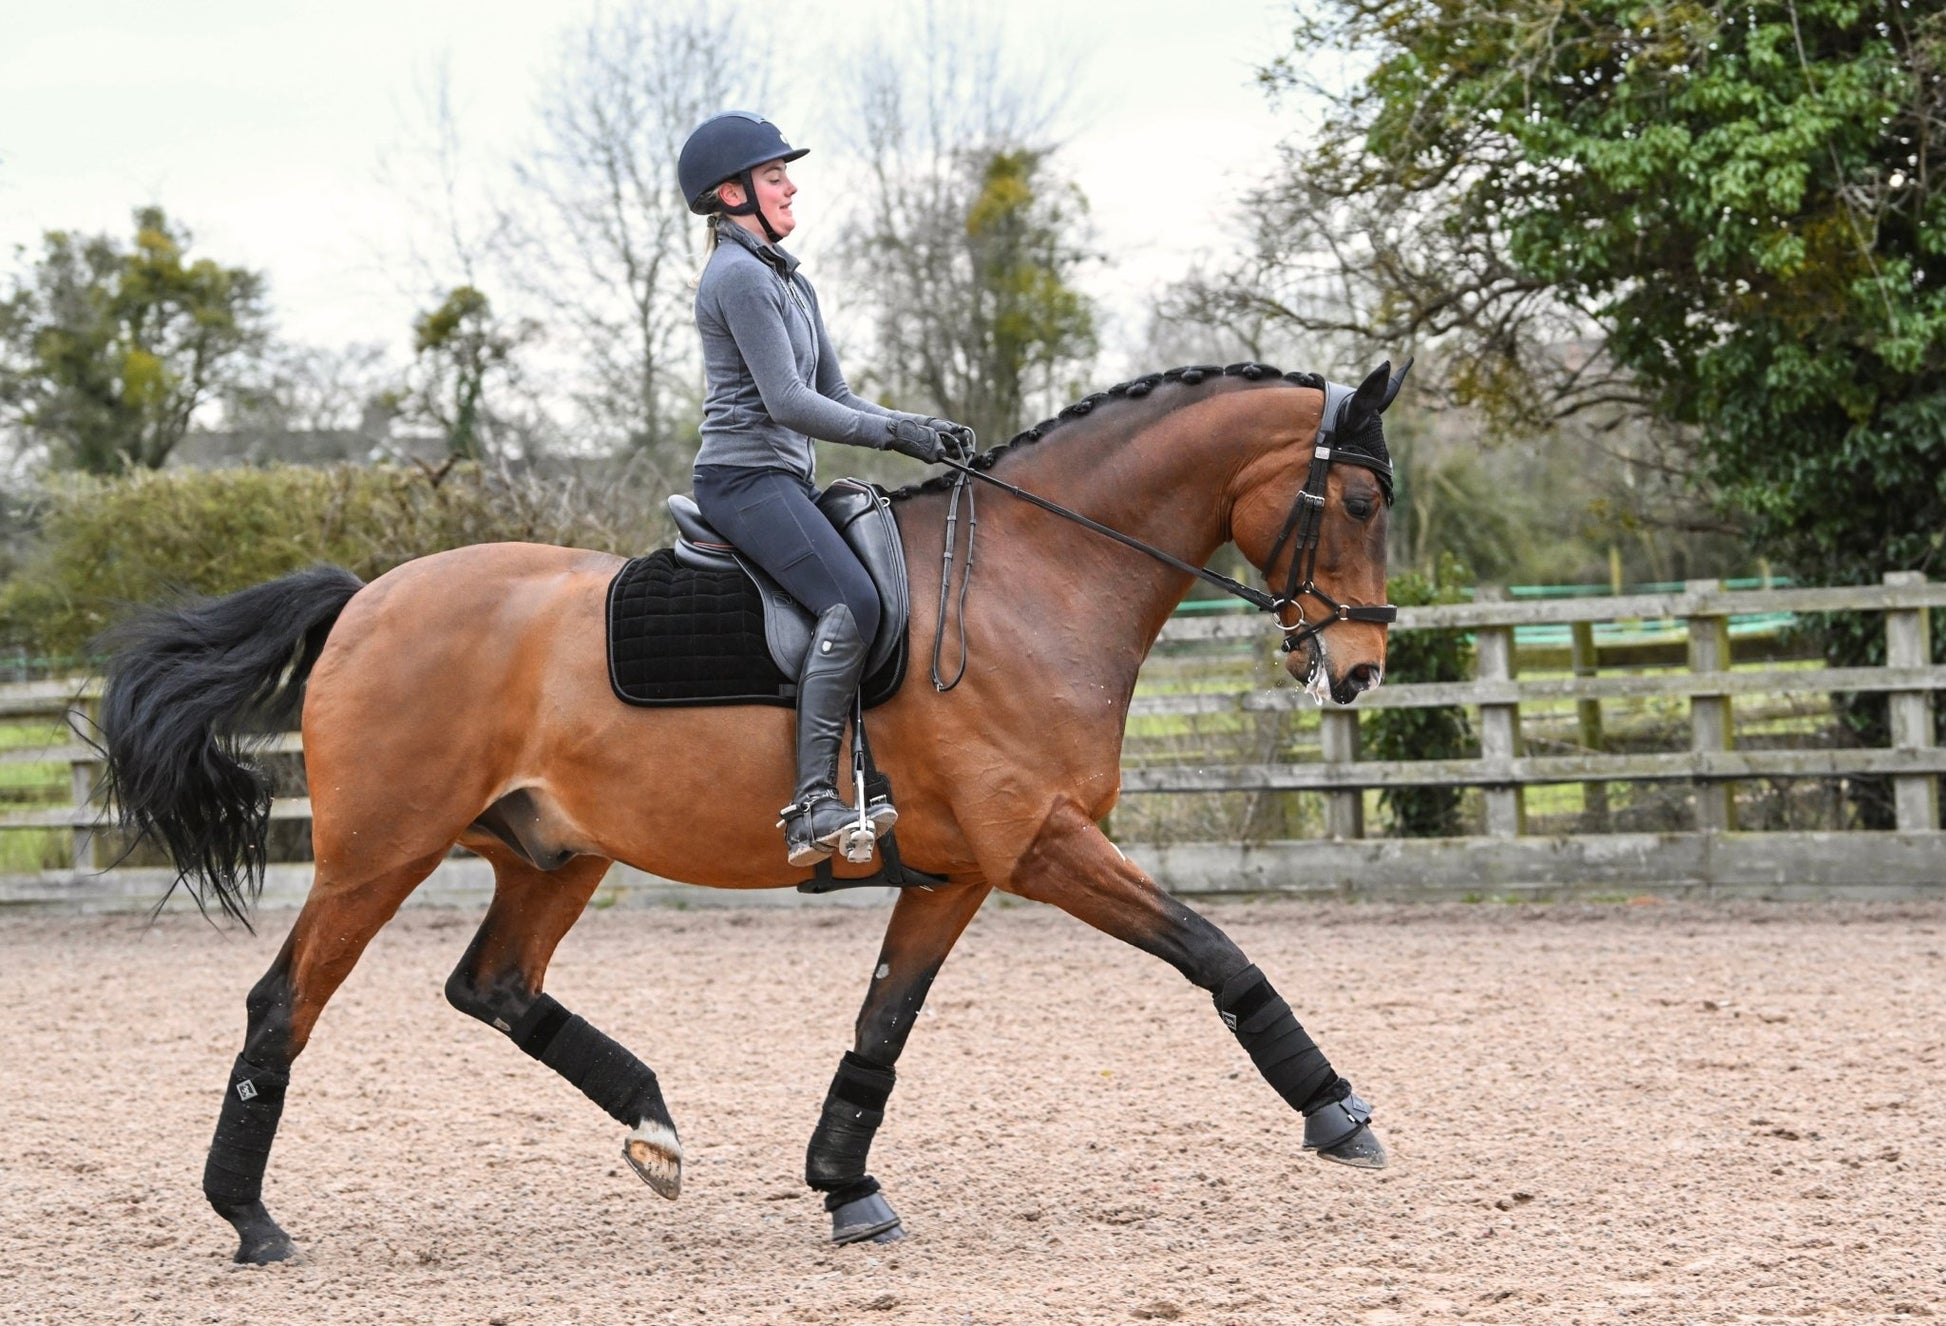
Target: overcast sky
x=262 y=126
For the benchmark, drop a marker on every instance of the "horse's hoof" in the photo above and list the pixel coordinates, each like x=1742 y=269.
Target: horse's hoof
x=653 y=1152
x=1362 y=1150
x=260 y=1240
x=867 y=1220
x=1342 y=1131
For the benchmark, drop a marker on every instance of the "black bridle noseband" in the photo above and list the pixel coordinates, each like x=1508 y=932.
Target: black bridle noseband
x=1304 y=526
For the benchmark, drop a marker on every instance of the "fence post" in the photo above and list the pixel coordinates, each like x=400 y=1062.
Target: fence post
x=81 y=787
x=1493 y=650
x=1586 y=663
x=1908 y=644
x=1344 y=811
x=1710 y=720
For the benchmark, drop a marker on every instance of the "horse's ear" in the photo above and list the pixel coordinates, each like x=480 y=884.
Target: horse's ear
x=1367 y=401
x=1392 y=388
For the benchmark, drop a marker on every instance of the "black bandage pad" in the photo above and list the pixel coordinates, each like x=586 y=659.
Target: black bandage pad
x=604 y=1070
x=834 y=1163
x=234 y=1173
x=1282 y=1050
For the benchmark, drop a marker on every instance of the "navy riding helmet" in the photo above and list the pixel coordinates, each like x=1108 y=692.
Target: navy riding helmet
x=728 y=147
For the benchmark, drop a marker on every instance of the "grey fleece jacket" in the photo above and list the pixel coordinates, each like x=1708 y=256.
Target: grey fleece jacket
x=771 y=379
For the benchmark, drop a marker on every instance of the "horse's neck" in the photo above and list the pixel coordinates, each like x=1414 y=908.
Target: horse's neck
x=1164 y=484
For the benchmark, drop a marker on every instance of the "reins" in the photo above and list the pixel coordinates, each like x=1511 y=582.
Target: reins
x=1305 y=524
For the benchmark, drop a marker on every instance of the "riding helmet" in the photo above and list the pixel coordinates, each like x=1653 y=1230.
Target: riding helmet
x=724 y=147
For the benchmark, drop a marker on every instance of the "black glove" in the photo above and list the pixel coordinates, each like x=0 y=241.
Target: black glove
x=959 y=437
x=920 y=441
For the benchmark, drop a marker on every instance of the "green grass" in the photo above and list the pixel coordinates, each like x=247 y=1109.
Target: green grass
x=33 y=785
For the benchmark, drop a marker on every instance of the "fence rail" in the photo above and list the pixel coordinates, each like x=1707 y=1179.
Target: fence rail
x=1711 y=855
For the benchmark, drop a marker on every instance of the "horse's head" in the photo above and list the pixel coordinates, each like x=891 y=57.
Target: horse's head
x=1313 y=519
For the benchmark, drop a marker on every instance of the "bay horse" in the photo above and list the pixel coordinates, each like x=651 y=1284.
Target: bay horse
x=462 y=698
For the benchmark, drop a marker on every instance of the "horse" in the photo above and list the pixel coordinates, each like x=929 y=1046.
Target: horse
x=461 y=699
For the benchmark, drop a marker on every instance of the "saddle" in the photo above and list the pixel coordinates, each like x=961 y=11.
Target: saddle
x=700 y=623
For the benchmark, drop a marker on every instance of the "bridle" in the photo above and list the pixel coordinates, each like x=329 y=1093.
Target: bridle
x=1306 y=525
x=1303 y=529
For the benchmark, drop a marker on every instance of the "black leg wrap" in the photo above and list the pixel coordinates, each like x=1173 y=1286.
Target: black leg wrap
x=604 y=1070
x=851 y=1192
x=233 y=1176
x=1282 y=1050
x=834 y=1163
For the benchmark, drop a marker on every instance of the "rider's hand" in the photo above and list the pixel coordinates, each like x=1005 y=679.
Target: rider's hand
x=959 y=437
x=909 y=437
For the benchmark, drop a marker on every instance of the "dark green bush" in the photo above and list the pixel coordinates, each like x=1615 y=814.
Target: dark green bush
x=106 y=543
x=1424 y=734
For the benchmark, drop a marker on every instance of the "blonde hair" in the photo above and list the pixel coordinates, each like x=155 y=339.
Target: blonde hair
x=711 y=236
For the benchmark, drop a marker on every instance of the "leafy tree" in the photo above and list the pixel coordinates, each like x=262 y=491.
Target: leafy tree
x=107 y=351
x=1745 y=204
x=462 y=346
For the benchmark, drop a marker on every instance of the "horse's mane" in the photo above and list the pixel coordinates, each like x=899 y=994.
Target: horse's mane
x=1370 y=441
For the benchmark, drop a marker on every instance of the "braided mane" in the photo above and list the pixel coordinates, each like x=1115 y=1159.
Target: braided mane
x=1189 y=376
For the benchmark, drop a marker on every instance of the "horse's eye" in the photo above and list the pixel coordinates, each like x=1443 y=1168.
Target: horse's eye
x=1359 y=507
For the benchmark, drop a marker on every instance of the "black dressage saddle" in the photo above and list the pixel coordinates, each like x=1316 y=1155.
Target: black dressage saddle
x=700 y=623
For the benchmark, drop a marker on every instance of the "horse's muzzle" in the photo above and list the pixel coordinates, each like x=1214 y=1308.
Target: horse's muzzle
x=1358 y=679
x=1311 y=665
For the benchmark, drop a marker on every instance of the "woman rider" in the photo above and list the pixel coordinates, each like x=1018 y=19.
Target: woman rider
x=771 y=384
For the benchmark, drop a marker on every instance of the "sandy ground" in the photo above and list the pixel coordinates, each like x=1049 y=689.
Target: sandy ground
x=1661 y=1113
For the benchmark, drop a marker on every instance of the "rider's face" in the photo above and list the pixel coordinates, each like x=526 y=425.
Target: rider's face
x=774 y=194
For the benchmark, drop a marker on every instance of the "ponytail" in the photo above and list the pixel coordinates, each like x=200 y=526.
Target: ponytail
x=711 y=237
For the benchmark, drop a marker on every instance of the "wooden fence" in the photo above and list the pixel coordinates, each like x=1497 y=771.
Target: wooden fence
x=1709 y=855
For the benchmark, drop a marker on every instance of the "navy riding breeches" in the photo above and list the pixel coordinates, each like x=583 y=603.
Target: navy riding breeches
x=772 y=517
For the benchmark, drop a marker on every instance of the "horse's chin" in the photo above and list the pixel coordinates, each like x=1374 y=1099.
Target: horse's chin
x=1311 y=669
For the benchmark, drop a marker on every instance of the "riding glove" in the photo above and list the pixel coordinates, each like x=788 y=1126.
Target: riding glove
x=958 y=436
x=909 y=437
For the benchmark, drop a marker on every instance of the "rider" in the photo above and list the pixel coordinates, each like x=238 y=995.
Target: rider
x=771 y=384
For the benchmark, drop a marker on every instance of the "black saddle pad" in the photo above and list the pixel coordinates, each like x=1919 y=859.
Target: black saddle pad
x=682 y=636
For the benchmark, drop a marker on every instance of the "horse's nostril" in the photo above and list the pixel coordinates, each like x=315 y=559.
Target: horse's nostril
x=1364 y=677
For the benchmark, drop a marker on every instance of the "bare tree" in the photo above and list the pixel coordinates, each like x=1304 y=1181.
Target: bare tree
x=966 y=241
x=604 y=244
x=469 y=377
x=308 y=388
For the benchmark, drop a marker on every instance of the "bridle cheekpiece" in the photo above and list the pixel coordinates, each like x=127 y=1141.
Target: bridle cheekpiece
x=1305 y=524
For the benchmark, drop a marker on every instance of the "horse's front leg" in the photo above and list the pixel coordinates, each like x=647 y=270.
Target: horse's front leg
x=924 y=927
x=1073 y=866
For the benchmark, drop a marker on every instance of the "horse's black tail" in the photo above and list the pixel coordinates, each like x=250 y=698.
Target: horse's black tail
x=191 y=689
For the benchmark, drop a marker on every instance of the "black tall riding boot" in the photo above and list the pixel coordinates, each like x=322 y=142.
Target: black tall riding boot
x=826 y=684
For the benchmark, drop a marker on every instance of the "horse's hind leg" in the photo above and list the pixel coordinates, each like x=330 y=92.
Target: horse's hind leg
x=337 y=921
x=1074 y=867
x=499 y=982
x=924 y=927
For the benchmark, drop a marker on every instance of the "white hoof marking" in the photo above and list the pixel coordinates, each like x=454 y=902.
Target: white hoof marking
x=652 y=1151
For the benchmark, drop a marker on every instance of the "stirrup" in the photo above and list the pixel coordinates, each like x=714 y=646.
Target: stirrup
x=813 y=832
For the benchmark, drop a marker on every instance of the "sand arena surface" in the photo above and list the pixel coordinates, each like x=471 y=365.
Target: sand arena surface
x=1658 y=1113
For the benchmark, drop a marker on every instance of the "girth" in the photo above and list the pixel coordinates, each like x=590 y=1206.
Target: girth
x=863 y=518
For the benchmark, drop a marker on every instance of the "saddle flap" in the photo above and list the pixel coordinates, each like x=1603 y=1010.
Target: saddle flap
x=863 y=516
